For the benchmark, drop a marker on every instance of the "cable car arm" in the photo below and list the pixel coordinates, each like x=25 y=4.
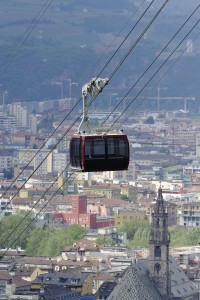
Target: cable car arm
x=94 y=87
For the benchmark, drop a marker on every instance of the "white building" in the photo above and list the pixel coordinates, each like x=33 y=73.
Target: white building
x=41 y=161
x=59 y=161
x=5 y=207
x=190 y=214
x=22 y=116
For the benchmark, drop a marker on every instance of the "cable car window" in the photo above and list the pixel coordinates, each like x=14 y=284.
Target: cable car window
x=75 y=152
x=95 y=148
x=117 y=147
x=87 y=148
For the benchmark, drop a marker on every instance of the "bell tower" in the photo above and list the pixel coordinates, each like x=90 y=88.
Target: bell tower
x=159 y=248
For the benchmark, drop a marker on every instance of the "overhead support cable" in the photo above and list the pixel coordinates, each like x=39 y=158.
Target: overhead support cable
x=76 y=119
x=59 y=125
x=11 y=55
x=128 y=36
x=158 y=55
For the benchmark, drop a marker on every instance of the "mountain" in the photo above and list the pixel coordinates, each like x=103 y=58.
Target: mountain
x=43 y=45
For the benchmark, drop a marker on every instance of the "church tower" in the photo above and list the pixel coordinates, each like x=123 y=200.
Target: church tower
x=159 y=248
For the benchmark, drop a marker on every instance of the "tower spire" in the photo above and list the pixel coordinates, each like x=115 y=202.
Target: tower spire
x=159 y=248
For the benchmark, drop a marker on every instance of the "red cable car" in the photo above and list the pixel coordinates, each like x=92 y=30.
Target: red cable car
x=93 y=152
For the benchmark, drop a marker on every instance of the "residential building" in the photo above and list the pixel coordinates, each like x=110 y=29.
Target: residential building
x=79 y=215
x=32 y=123
x=8 y=189
x=20 y=112
x=58 y=293
x=73 y=280
x=35 y=192
x=7 y=159
x=41 y=161
x=24 y=119
x=5 y=207
x=197 y=145
x=128 y=216
x=190 y=214
x=100 y=210
x=103 y=190
x=8 y=123
x=59 y=162
x=195 y=182
x=127 y=175
x=120 y=176
x=21 y=138
x=65 y=104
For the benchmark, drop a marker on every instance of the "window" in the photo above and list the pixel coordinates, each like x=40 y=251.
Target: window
x=75 y=152
x=157 y=251
x=74 y=280
x=117 y=147
x=95 y=148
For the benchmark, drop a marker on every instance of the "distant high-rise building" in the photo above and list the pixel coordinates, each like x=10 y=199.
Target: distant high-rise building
x=22 y=117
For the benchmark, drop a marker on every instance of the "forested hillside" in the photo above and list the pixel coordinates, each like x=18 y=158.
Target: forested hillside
x=41 y=45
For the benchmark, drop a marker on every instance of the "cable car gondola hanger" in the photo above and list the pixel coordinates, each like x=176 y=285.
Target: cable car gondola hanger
x=97 y=150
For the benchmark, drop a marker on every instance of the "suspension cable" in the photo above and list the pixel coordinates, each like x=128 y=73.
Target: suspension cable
x=21 y=172
x=76 y=119
x=158 y=55
x=157 y=70
x=157 y=82
x=127 y=37
x=26 y=34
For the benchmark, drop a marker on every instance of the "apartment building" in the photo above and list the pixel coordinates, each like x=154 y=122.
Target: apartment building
x=195 y=182
x=7 y=159
x=22 y=116
x=190 y=214
x=41 y=162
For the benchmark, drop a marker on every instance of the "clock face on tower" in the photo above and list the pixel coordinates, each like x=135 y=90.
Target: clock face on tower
x=157 y=267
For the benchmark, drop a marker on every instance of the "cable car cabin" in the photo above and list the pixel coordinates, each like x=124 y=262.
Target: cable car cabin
x=93 y=153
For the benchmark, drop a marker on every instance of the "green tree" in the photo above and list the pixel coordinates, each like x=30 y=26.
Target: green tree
x=194 y=236
x=103 y=240
x=141 y=238
x=149 y=120
x=132 y=227
x=125 y=198
x=35 y=241
x=14 y=230
x=178 y=236
x=51 y=242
